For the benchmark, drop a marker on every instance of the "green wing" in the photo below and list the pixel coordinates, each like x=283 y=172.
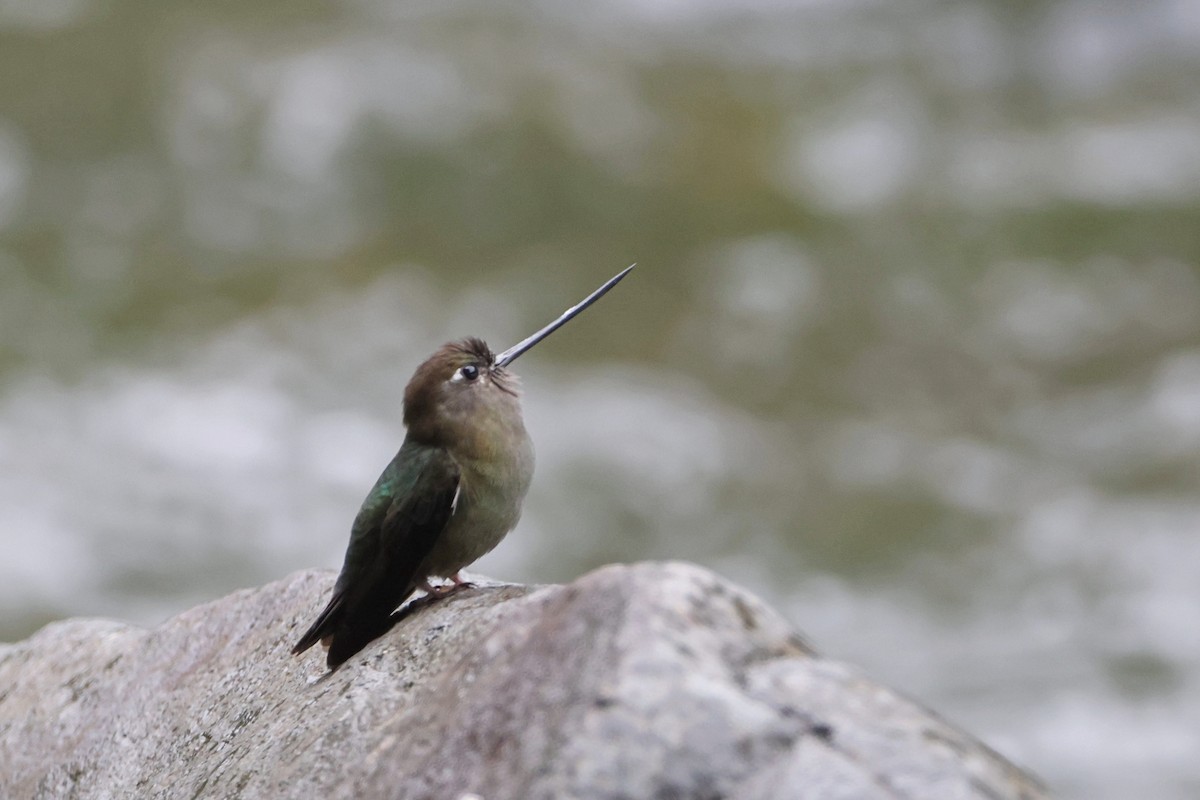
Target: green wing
x=395 y=529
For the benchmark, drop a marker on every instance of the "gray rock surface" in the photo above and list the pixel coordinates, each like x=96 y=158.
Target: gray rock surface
x=643 y=682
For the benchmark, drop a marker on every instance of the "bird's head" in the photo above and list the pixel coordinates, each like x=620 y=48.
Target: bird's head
x=456 y=391
x=463 y=395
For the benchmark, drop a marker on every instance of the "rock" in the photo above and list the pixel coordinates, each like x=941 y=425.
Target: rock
x=645 y=681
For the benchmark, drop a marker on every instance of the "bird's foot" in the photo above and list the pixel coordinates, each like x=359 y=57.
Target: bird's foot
x=460 y=582
x=444 y=591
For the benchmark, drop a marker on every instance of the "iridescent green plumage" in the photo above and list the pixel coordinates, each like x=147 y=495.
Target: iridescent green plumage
x=401 y=517
x=448 y=497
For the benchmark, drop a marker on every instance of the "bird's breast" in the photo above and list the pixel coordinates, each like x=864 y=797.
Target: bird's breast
x=491 y=491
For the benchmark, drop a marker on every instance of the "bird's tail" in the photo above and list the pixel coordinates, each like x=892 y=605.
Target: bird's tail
x=347 y=627
x=350 y=638
x=325 y=625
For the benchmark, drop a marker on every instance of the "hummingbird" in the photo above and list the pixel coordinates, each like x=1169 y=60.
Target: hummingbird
x=451 y=493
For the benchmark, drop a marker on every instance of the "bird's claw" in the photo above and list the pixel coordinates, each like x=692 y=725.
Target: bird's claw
x=444 y=591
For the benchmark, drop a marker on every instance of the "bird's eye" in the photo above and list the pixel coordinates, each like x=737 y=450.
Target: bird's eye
x=469 y=371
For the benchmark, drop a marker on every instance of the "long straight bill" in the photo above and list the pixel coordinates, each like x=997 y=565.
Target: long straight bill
x=510 y=355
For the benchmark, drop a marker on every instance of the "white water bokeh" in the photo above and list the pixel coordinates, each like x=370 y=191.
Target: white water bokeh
x=913 y=349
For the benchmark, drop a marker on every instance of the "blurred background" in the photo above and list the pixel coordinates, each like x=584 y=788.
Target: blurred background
x=913 y=350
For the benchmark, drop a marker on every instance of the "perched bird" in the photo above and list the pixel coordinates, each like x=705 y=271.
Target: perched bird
x=448 y=497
